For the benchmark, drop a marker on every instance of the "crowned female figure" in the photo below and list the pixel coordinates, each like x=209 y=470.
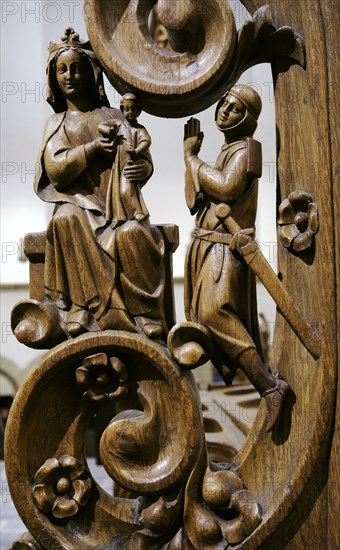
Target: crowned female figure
x=97 y=275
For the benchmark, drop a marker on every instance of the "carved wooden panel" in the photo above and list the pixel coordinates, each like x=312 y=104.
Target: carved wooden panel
x=105 y=271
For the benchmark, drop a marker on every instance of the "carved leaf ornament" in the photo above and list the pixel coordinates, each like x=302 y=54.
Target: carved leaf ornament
x=184 y=498
x=179 y=499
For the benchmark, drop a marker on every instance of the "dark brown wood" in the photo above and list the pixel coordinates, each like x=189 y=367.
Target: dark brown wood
x=219 y=286
x=330 y=13
x=93 y=162
x=168 y=464
x=303 y=496
x=47 y=328
x=105 y=271
x=26 y=542
x=207 y=55
x=34 y=249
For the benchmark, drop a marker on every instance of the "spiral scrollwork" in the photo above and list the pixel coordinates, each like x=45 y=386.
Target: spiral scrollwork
x=207 y=54
x=157 y=453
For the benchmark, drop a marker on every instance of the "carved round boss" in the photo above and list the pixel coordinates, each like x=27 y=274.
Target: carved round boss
x=120 y=36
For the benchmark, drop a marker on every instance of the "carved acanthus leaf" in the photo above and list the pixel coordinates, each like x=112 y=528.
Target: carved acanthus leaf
x=260 y=40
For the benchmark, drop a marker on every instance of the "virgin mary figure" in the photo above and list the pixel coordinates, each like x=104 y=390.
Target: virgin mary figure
x=98 y=276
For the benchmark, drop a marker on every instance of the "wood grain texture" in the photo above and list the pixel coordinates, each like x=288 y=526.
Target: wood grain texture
x=119 y=34
x=69 y=418
x=331 y=14
x=281 y=491
x=47 y=329
x=103 y=264
x=143 y=450
x=206 y=58
x=224 y=257
x=307 y=156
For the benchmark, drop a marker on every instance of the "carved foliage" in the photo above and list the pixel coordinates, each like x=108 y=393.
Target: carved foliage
x=158 y=452
x=261 y=40
x=61 y=486
x=298 y=221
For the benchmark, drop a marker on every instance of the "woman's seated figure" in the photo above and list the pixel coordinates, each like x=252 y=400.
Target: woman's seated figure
x=99 y=276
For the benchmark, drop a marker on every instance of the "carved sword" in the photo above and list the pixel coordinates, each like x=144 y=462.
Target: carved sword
x=262 y=269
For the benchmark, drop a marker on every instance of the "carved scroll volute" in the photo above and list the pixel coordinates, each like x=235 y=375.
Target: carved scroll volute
x=296 y=450
x=119 y=35
x=46 y=465
x=206 y=57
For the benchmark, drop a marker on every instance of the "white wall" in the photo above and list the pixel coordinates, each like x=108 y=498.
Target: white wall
x=27 y=28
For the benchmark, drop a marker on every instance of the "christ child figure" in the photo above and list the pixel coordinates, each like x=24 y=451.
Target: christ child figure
x=124 y=200
x=136 y=146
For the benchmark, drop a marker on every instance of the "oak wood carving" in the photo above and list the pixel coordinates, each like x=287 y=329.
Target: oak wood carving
x=207 y=56
x=101 y=288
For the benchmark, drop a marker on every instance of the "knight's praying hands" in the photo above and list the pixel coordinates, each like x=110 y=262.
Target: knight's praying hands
x=193 y=137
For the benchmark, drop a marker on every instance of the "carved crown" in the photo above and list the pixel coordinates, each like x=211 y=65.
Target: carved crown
x=70 y=39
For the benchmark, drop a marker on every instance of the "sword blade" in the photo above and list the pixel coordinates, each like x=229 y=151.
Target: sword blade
x=262 y=269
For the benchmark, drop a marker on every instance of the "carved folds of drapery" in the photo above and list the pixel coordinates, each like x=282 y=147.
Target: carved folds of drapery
x=156 y=452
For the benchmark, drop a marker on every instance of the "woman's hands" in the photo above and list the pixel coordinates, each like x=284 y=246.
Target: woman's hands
x=106 y=146
x=106 y=143
x=193 y=137
x=136 y=171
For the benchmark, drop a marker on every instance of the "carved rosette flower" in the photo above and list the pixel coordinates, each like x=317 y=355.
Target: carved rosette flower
x=102 y=378
x=298 y=221
x=61 y=486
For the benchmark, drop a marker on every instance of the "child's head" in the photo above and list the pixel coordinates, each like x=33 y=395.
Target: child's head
x=130 y=107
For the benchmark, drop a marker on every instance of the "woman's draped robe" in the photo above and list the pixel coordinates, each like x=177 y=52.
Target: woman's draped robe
x=88 y=263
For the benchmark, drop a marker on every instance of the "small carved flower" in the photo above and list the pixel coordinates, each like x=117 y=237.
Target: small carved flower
x=61 y=486
x=298 y=221
x=101 y=378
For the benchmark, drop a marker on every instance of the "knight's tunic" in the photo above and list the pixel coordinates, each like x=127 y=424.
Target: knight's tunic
x=219 y=286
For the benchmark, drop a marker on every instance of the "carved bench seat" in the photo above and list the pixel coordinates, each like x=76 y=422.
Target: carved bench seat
x=49 y=332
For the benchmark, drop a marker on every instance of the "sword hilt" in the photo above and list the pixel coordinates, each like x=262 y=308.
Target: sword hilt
x=259 y=265
x=223 y=213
